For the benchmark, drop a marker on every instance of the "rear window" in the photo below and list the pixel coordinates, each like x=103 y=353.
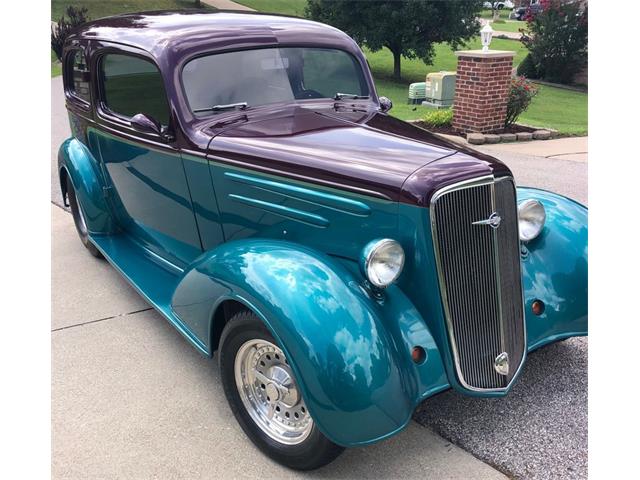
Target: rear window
x=132 y=85
x=79 y=85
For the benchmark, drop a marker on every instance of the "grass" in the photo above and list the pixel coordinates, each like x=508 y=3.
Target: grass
x=56 y=66
x=284 y=7
x=415 y=70
x=504 y=13
x=103 y=8
x=509 y=26
x=558 y=108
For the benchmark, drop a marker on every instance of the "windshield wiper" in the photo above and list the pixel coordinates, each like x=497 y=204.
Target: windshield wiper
x=219 y=108
x=350 y=96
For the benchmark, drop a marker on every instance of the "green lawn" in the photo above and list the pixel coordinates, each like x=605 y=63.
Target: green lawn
x=415 y=70
x=509 y=26
x=103 y=8
x=560 y=109
x=504 y=13
x=284 y=7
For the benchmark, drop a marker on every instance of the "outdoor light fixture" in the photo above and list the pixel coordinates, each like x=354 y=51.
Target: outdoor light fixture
x=485 y=35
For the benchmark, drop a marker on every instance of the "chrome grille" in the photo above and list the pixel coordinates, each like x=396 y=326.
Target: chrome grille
x=480 y=279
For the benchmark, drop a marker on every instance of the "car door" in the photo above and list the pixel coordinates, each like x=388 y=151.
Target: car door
x=149 y=190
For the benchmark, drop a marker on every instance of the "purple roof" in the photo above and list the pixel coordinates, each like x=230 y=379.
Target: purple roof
x=174 y=35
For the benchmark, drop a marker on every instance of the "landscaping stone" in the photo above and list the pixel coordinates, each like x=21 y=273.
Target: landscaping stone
x=492 y=138
x=475 y=138
x=508 y=137
x=524 y=136
x=541 y=135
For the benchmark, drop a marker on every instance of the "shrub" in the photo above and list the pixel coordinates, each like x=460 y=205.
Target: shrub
x=557 y=39
x=61 y=30
x=438 y=118
x=520 y=95
x=527 y=68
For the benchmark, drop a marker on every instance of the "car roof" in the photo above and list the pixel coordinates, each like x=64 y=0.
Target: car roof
x=172 y=35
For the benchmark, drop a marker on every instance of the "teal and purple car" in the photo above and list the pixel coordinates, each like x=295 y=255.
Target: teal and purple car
x=240 y=171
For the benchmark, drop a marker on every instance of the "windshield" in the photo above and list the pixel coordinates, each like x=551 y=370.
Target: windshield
x=270 y=75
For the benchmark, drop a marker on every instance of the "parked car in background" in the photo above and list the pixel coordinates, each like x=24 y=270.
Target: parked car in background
x=520 y=13
x=241 y=172
x=498 y=5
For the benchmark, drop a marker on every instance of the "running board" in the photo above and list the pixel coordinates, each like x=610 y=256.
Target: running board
x=154 y=278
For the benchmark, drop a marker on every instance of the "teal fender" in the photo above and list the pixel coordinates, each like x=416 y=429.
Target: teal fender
x=77 y=161
x=555 y=270
x=350 y=352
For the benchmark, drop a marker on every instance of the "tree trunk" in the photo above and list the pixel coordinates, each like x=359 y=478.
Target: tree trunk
x=396 y=64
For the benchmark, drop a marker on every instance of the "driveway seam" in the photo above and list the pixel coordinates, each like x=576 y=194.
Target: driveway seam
x=102 y=319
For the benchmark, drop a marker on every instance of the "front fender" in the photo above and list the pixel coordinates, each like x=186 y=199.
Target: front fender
x=349 y=352
x=84 y=170
x=555 y=270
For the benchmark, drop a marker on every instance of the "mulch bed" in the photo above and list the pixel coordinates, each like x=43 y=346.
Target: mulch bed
x=448 y=130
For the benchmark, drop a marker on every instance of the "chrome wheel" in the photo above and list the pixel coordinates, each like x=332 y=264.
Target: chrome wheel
x=269 y=392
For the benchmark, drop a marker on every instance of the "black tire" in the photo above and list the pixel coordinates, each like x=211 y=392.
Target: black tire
x=78 y=220
x=313 y=452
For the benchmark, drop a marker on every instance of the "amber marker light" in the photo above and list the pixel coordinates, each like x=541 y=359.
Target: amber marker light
x=537 y=307
x=418 y=355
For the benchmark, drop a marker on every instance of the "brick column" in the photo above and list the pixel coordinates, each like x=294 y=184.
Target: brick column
x=482 y=89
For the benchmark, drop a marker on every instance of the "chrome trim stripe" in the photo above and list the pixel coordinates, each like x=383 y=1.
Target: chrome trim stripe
x=476 y=182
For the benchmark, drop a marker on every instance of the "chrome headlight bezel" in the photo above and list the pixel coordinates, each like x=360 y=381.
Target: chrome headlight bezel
x=375 y=260
x=531 y=219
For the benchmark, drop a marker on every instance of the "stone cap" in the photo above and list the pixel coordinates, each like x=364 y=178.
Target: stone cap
x=487 y=54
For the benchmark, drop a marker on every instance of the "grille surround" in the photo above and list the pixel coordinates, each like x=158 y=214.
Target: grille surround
x=503 y=327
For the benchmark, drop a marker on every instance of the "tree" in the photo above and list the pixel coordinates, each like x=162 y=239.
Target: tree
x=61 y=30
x=408 y=28
x=557 y=39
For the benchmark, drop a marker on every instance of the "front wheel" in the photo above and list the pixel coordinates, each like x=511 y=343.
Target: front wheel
x=265 y=398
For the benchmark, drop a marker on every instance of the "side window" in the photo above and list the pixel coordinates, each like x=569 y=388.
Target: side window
x=132 y=85
x=79 y=85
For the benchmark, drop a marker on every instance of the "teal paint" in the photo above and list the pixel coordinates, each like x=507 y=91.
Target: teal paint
x=350 y=350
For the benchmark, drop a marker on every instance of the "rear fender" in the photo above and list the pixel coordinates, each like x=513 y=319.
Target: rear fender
x=76 y=161
x=555 y=270
x=350 y=353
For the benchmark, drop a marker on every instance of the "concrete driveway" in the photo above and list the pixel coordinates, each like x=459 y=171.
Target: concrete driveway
x=131 y=399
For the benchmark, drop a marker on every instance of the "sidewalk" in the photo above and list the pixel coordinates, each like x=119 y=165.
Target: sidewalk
x=568 y=148
x=132 y=399
x=227 y=5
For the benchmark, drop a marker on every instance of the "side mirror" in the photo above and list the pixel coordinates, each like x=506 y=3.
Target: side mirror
x=143 y=123
x=385 y=104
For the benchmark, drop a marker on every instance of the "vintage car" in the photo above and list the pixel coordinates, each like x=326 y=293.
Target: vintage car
x=240 y=171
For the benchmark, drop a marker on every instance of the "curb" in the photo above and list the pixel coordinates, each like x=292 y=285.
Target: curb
x=490 y=138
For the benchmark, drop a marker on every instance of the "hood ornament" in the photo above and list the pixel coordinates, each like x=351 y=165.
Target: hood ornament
x=501 y=364
x=493 y=221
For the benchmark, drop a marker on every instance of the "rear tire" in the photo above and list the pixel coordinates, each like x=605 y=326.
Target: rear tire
x=78 y=219
x=254 y=392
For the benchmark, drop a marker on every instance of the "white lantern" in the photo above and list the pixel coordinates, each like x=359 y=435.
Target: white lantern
x=485 y=36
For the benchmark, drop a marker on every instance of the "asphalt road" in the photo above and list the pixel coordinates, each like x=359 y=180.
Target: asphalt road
x=109 y=353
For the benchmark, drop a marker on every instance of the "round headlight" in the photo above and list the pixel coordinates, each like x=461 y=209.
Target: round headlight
x=531 y=218
x=382 y=262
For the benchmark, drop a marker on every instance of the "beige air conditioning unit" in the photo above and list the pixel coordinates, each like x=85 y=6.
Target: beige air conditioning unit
x=440 y=88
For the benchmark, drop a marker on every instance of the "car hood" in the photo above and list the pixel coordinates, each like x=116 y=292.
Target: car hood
x=363 y=151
